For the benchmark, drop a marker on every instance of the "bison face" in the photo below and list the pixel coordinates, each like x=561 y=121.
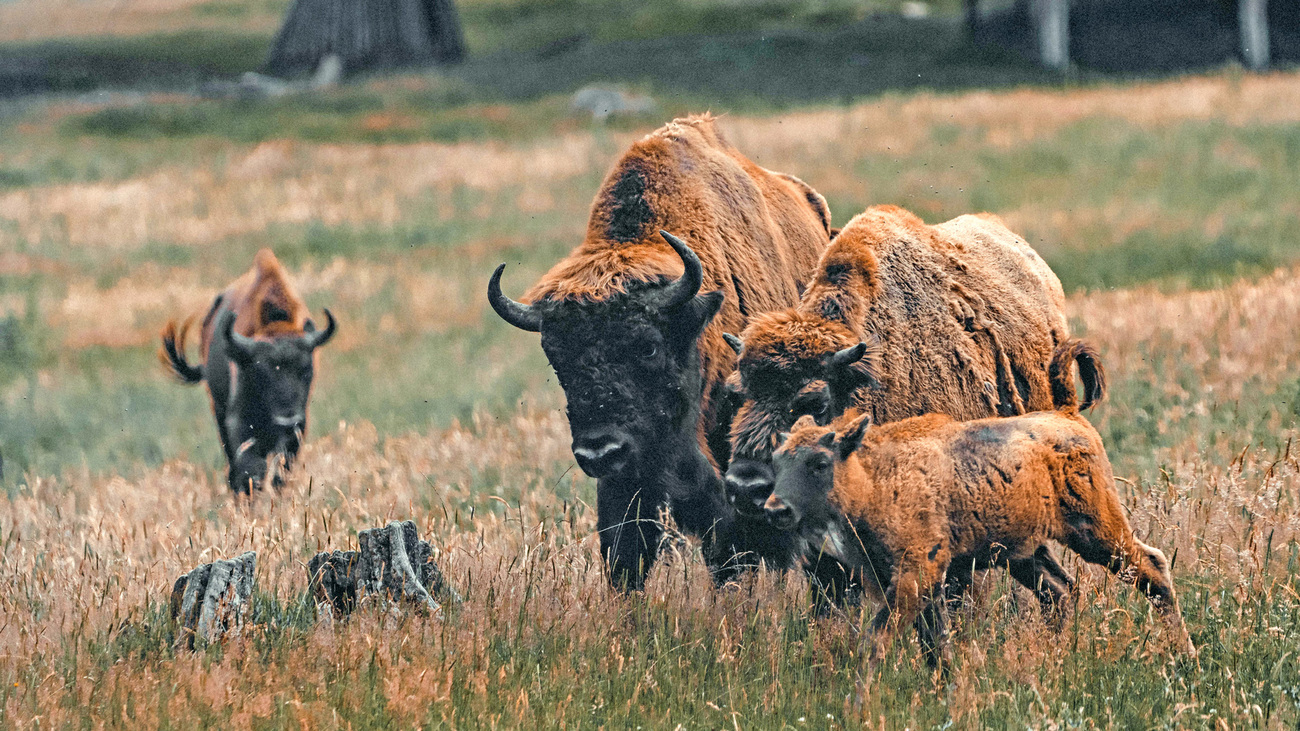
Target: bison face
x=791 y=366
x=273 y=381
x=631 y=377
x=804 y=467
x=629 y=365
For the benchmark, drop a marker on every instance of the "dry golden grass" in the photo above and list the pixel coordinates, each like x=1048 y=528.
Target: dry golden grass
x=542 y=641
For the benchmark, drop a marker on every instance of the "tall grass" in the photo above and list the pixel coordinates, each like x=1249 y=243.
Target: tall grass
x=428 y=407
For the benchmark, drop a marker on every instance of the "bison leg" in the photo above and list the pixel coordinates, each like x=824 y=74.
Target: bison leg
x=629 y=528
x=918 y=583
x=247 y=470
x=1041 y=574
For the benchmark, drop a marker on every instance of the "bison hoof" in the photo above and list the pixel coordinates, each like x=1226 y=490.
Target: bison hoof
x=392 y=566
x=210 y=601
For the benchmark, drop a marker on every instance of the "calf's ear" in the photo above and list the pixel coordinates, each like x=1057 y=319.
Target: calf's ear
x=827 y=441
x=851 y=438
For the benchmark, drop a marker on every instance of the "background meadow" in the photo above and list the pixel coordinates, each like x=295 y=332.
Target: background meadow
x=1168 y=208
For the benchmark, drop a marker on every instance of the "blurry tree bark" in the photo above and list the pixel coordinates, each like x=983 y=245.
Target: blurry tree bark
x=1052 y=25
x=367 y=34
x=1252 y=17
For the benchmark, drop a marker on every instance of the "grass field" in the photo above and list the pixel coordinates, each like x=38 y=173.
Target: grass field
x=1167 y=208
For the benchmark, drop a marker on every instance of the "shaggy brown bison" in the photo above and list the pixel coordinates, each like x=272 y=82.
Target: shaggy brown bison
x=910 y=506
x=258 y=347
x=901 y=319
x=637 y=347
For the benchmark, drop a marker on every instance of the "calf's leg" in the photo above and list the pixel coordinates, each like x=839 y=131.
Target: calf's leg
x=1041 y=574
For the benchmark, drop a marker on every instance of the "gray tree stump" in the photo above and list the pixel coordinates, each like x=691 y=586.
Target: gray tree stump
x=209 y=602
x=392 y=566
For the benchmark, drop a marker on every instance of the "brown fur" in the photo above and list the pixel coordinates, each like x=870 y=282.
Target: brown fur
x=916 y=500
x=964 y=317
x=265 y=304
x=757 y=233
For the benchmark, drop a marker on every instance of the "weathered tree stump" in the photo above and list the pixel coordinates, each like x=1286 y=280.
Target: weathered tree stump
x=209 y=601
x=366 y=35
x=392 y=566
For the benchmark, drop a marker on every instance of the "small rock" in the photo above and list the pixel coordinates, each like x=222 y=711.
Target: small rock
x=393 y=565
x=210 y=601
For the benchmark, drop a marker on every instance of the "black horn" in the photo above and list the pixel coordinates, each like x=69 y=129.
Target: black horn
x=239 y=346
x=320 y=337
x=522 y=316
x=735 y=342
x=684 y=289
x=848 y=356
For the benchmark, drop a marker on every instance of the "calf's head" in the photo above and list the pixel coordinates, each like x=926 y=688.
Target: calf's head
x=804 y=467
x=273 y=380
x=791 y=365
x=629 y=364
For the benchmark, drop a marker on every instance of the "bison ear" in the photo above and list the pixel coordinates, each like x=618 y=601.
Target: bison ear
x=827 y=440
x=699 y=312
x=851 y=438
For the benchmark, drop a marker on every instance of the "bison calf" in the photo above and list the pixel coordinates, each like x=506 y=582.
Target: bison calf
x=258 y=346
x=912 y=506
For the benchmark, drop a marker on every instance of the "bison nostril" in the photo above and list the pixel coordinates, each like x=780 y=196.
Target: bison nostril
x=600 y=456
x=779 y=512
x=748 y=493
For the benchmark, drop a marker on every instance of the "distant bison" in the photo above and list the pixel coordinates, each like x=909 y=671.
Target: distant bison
x=637 y=348
x=910 y=507
x=901 y=319
x=258 y=346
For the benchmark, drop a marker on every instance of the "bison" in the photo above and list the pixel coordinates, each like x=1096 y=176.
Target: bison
x=912 y=506
x=258 y=346
x=636 y=346
x=901 y=319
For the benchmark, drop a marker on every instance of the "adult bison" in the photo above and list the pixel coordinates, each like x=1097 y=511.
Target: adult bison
x=258 y=346
x=902 y=319
x=638 y=349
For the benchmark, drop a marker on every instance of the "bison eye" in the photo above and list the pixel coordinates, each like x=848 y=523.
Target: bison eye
x=648 y=350
x=819 y=464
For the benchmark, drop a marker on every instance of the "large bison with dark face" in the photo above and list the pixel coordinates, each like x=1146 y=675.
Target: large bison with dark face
x=901 y=319
x=258 y=346
x=632 y=323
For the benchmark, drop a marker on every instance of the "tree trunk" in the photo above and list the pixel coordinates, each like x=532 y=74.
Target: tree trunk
x=1052 y=19
x=366 y=34
x=1252 y=17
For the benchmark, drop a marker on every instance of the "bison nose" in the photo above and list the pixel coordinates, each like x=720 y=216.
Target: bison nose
x=296 y=422
x=748 y=493
x=748 y=484
x=601 y=455
x=780 y=513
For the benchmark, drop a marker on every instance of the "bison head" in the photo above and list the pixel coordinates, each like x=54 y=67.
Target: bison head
x=272 y=383
x=629 y=365
x=791 y=365
x=804 y=466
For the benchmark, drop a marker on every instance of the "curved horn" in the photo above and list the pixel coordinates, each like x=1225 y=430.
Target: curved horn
x=848 y=356
x=735 y=342
x=522 y=316
x=320 y=337
x=239 y=346
x=680 y=292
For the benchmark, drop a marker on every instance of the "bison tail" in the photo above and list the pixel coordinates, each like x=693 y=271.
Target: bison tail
x=1091 y=371
x=172 y=353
